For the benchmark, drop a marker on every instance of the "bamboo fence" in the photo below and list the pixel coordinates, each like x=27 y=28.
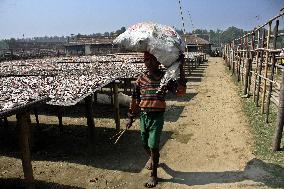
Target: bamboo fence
x=256 y=62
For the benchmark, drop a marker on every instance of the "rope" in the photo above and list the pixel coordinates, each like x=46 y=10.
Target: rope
x=193 y=28
x=183 y=25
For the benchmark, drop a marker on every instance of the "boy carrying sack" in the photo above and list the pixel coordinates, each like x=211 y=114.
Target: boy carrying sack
x=148 y=99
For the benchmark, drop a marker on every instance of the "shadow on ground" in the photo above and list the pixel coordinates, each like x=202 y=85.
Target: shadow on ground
x=72 y=145
x=255 y=170
x=15 y=183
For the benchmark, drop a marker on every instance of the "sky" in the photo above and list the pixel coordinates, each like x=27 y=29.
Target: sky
x=38 y=18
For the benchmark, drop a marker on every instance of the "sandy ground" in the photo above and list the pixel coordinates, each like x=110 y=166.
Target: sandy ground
x=206 y=143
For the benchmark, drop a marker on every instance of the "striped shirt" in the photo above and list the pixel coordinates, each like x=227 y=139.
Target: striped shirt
x=146 y=96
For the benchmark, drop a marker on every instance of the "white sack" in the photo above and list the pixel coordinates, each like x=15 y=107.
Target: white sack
x=160 y=40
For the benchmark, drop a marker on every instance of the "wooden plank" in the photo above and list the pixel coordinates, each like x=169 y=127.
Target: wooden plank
x=24 y=140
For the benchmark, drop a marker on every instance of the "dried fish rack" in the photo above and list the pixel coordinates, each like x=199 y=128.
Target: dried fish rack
x=60 y=79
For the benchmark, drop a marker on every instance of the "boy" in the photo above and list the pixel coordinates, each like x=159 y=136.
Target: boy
x=152 y=104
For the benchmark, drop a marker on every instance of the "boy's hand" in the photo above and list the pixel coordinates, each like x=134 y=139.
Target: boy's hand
x=129 y=122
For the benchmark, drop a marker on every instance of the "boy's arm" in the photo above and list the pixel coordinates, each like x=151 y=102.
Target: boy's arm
x=134 y=106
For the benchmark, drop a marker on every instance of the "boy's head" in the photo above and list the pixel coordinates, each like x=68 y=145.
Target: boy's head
x=151 y=61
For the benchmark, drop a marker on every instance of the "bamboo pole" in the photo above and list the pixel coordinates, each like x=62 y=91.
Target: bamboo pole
x=242 y=67
x=239 y=66
x=272 y=71
x=280 y=118
x=24 y=140
x=229 y=56
x=247 y=66
x=251 y=56
x=256 y=68
x=266 y=69
x=260 y=69
x=233 y=58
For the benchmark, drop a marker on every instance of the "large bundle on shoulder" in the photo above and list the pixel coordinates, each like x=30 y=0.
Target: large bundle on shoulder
x=160 y=40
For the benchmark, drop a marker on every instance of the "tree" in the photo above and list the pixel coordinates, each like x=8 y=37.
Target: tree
x=232 y=33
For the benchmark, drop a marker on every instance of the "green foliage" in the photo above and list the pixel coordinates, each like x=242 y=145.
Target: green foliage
x=3 y=45
x=218 y=37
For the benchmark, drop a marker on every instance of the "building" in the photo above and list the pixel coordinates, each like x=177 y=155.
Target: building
x=195 y=43
x=89 y=45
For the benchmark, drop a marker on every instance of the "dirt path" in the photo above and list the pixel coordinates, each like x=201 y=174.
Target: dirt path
x=205 y=144
x=211 y=145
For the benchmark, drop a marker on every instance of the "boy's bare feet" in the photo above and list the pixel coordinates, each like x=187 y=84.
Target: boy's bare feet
x=149 y=165
x=151 y=182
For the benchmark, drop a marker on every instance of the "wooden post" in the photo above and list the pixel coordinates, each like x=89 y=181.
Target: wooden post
x=242 y=61
x=124 y=85
x=266 y=69
x=257 y=65
x=260 y=69
x=249 y=75
x=111 y=95
x=272 y=71
x=251 y=56
x=116 y=105
x=280 y=118
x=36 y=116
x=6 y=123
x=95 y=98
x=248 y=62
x=24 y=140
x=59 y=115
x=226 y=56
x=233 y=58
x=189 y=68
x=90 y=118
x=239 y=66
x=229 y=56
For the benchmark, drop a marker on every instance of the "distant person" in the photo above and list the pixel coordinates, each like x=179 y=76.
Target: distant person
x=150 y=102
